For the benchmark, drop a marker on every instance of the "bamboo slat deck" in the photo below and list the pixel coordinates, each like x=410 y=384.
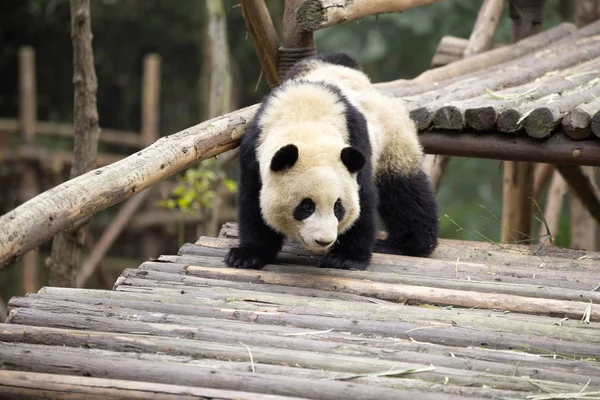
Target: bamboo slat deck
x=474 y=321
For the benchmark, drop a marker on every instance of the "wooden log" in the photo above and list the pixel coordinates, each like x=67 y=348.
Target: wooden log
x=482 y=112
x=482 y=61
x=526 y=290
x=112 y=365
x=59 y=208
x=543 y=120
x=110 y=235
x=394 y=292
x=517 y=191
x=556 y=149
x=64 y=130
x=583 y=187
x=578 y=122
x=150 y=99
x=270 y=322
x=482 y=36
x=29 y=186
x=438 y=168
x=33 y=385
x=517 y=72
x=197 y=349
x=554 y=205
x=263 y=34
x=515 y=260
x=293 y=35
x=318 y=14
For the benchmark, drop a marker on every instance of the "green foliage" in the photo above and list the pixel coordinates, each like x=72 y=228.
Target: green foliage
x=196 y=188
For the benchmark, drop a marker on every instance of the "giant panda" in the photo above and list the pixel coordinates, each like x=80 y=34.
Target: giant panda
x=324 y=152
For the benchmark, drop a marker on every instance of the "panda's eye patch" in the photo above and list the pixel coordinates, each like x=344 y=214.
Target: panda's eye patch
x=304 y=210
x=338 y=210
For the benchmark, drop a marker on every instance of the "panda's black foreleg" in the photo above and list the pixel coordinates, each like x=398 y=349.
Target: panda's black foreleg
x=258 y=244
x=354 y=248
x=408 y=208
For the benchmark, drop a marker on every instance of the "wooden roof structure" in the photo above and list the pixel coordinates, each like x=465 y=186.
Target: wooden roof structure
x=474 y=321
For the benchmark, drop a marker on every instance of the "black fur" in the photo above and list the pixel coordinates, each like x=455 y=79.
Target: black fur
x=354 y=247
x=284 y=157
x=303 y=66
x=259 y=244
x=408 y=208
x=353 y=159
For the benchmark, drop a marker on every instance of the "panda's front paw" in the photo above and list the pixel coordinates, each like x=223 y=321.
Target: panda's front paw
x=246 y=258
x=340 y=261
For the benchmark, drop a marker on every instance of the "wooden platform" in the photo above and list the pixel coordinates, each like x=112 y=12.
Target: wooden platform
x=475 y=321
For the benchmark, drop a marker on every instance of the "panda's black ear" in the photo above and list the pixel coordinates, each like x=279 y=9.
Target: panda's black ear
x=353 y=159
x=284 y=158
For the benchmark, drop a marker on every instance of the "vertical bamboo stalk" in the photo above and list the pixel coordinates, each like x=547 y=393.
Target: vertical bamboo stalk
x=151 y=99
x=29 y=185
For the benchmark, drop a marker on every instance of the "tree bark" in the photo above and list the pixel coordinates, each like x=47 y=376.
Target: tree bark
x=64 y=258
x=319 y=14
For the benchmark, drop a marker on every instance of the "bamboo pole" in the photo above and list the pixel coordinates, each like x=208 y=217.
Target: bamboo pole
x=29 y=187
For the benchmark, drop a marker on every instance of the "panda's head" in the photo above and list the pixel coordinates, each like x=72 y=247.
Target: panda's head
x=310 y=193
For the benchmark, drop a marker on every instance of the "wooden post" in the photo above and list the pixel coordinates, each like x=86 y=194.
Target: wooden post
x=150 y=99
x=293 y=35
x=518 y=176
x=64 y=257
x=29 y=185
x=261 y=29
x=149 y=134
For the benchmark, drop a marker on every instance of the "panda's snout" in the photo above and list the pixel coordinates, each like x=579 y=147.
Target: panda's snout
x=324 y=243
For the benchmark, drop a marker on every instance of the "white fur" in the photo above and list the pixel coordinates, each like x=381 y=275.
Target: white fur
x=312 y=118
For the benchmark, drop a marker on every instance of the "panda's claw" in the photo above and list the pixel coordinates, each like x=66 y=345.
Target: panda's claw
x=338 y=261
x=244 y=258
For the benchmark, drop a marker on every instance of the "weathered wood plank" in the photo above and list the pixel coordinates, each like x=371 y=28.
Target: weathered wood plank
x=197 y=350
x=146 y=368
x=32 y=385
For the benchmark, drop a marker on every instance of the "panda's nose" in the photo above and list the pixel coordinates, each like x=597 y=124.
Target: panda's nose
x=323 y=243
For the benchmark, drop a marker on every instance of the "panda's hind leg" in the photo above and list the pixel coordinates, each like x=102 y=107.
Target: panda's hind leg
x=408 y=208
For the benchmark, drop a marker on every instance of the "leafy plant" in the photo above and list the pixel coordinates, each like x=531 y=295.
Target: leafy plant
x=196 y=188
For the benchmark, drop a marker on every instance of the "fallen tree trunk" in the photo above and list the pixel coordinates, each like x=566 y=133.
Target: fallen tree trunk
x=63 y=206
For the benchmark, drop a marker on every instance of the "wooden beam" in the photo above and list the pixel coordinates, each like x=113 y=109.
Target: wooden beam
x=36 y=221
x=319 y=14
x=65 y=130
x=261 y=29
x=491 y=145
